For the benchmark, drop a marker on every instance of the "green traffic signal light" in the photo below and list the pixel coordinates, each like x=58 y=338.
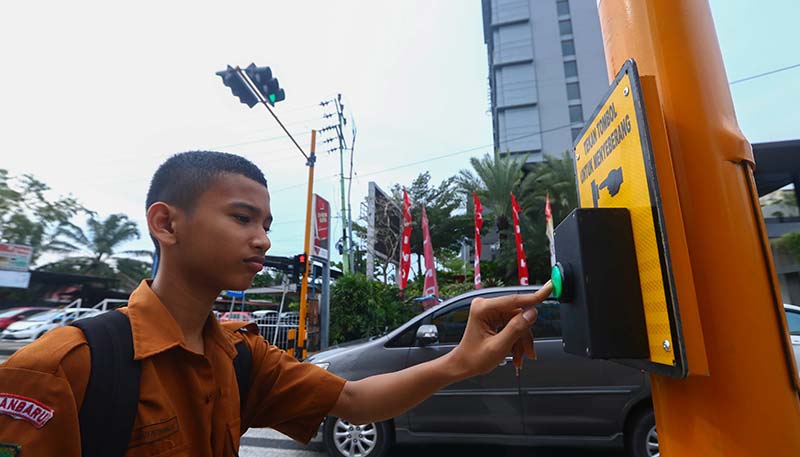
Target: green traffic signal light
x=272 y=98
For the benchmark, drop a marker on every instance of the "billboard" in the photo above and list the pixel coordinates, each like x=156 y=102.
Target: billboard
x=320 y=227
x=384 y=225
x=15 y=257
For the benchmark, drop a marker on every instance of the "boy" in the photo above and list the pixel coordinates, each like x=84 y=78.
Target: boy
x=209 y=215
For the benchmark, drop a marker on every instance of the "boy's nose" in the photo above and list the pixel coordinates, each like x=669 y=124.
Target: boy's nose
x=262 y=242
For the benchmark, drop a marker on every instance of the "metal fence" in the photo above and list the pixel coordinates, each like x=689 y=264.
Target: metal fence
x=280 y=330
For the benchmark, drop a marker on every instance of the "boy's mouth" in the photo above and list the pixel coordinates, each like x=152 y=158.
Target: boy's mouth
x=255 y=263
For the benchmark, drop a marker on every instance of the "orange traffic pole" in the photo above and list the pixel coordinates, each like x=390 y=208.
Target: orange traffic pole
x=745 y=401
x=301 y=350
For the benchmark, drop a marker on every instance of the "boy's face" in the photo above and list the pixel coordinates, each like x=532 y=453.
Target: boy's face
x=224 y=239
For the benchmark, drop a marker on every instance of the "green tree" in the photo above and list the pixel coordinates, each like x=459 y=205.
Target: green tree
x=554 y=176
x=789 y=243
x=494 y=178
x=362 y=308
x=28 y=216
x=449 y=224
x=96 y=253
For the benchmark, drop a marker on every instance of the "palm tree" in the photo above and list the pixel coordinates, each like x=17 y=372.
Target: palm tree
x=494 y=178
x=554 y=176
x=96 y=253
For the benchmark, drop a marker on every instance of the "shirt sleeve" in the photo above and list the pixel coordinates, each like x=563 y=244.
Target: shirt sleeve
x=287 y=395
x=38 y=411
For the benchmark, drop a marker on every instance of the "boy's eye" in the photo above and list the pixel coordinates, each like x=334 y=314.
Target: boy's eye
x=242 y=219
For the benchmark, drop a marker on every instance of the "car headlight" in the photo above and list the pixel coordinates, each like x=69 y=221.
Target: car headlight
x=323 y=365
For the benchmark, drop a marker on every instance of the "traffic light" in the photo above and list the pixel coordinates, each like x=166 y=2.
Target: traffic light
x=268 y=86
x=237 y=85
x=300 y=264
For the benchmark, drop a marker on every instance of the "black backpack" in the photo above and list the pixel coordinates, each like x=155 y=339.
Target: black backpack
x=112 y=394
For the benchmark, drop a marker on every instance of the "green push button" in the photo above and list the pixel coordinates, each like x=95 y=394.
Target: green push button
x=557 y=280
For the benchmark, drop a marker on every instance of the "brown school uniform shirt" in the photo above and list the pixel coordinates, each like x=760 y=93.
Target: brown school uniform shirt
x=188 y=402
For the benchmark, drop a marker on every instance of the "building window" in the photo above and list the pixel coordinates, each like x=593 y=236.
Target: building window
x=575 y=132
x=571 y=69
x=563 y=7
x=568 y=48
x=565 y=27
x=573 y=91
x=575 y=113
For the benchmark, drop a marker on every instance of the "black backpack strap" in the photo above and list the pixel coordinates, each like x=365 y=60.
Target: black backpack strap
x=111 y=400
x=243 y=365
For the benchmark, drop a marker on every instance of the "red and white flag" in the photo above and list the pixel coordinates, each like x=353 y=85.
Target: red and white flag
x=430 y=287
x=548 y=216
x=478 y=226
x=405 y=242
x=522 y=264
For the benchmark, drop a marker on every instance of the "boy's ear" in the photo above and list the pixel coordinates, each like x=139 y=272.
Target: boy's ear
x=160 y=220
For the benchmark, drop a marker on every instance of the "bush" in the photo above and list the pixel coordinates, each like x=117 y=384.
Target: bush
x=789 y=243
x=362 y=308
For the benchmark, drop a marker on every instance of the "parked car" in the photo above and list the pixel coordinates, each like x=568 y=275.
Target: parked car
x=38 y=324
x=558 y=399
x=12 y=315
x=236 y=316
x=793 y=319
x=265 y=314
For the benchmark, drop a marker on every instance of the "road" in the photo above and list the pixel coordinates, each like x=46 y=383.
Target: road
x=265 y=442
x=7 y=348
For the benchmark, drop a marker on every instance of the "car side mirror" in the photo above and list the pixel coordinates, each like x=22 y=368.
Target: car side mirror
x=427 y=334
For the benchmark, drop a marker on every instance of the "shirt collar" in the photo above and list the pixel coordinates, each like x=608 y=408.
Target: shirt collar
x=155 y=330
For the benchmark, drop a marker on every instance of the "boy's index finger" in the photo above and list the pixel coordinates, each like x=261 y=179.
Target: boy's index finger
x=516 y=301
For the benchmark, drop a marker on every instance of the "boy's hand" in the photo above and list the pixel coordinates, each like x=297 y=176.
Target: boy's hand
x=496 y=328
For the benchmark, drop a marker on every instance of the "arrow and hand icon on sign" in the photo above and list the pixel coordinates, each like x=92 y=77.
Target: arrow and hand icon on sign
x=612 y=183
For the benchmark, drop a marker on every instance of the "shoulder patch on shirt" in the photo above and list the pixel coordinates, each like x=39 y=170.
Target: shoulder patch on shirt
x=28 y=409
x=9 y=449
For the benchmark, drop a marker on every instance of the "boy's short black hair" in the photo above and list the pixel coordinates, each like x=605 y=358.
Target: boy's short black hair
x=184 y=177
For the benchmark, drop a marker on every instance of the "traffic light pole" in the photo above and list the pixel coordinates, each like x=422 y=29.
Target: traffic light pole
x=300 y=348
x=747 y=401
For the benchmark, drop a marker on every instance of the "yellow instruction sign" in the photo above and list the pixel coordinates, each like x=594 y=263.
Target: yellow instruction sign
x=614 y=169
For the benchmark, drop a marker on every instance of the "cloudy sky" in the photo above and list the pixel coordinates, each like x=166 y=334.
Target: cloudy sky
x=94 y=95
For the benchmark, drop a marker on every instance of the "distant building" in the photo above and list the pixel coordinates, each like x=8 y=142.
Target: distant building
x=547 y=72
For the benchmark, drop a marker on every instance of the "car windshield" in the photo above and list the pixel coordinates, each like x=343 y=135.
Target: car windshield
x=45 y=316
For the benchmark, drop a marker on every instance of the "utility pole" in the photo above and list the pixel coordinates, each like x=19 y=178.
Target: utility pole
x=347 y=227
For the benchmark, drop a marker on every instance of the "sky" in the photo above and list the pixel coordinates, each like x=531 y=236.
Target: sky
x=95 y=95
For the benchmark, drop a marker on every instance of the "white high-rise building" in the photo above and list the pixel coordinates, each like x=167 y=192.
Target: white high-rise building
x=547 y=72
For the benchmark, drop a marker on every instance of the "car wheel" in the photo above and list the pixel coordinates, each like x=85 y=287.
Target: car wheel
x=642 y=437
x=343 y=439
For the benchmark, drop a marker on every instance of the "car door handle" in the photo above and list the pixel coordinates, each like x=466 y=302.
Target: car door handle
x=505 y=361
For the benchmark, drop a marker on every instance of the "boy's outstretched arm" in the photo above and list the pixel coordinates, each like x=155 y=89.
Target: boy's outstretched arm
x=481 y=349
